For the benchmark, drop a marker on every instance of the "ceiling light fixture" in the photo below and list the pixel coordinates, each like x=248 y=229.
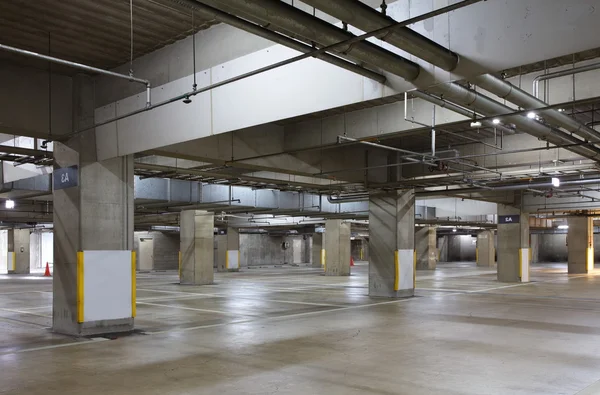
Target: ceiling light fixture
x=454 y=230
x=555 y=182
x=9 y=204
x=563 y=226
x=496 y=121
x=475 y=124
x=531 y=115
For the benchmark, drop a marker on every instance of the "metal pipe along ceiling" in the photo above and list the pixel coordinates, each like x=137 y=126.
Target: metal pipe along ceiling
x=366 y=18
x=313 y=29
x=508 y=91
x=209 y=13
x=81 y=67
x=490 y=107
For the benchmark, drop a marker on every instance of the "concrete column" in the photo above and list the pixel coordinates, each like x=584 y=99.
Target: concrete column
x=197 y=247
x=97 y=214
x=580 y=244
x=233 y=249
x=306 y=249
x=535 y=247
x=317 y=249
x=425 y=245
x=513 y=245
x=221 y=241
x=444 y=241
x=486 y=252
x=337 y=248
x=19 y=244
x=392 y=245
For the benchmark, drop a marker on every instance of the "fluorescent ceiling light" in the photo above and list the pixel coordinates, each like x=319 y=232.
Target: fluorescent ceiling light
x=496 y=121
x=531 y=115
x=475 y=124
x=454 y=229
x=9 y=204
x=555 y=182
x=563 y=226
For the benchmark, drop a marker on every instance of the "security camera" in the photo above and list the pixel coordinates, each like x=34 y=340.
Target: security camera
x=187 y=100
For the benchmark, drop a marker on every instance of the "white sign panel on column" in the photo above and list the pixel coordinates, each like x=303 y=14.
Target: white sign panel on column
x=107 y=285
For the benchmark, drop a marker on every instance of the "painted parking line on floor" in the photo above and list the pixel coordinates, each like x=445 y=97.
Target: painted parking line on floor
x=77 y=343
x=170 y=306
x=25 y=312
x=286 y=316
x=593 y=389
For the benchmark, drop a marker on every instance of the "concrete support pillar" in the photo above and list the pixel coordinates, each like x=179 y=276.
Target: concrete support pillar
x=392 y=245
x=306 y=249
x=18 y=250
x=221 y=251
x=93 y=213
x=534 y=241
x=580 y=244
x=197 y=247
x=317 y=250
x=337 y=248
x=233 y=262
x=486 y=252
x=425 y=245
x=513 y=244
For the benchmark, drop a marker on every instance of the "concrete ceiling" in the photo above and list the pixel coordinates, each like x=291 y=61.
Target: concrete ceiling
x=96 y=32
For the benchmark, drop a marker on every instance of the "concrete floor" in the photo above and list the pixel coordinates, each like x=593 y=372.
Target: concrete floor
x=294 y=331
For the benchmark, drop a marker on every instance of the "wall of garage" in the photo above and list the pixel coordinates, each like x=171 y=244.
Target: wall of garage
x=553 y=247
x=461 y=248
x=264 y=249
x=165 y=249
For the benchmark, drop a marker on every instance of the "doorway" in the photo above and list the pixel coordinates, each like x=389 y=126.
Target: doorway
x=146 y=258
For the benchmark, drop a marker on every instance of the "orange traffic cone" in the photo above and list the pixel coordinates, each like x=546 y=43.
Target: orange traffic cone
x=47 y=272
x=351 y=261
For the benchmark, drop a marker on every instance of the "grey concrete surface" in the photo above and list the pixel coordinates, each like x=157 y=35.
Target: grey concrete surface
x=19 y=243
x=337 y=248
x=197 y=247
x=391 y=228
x=294 y=331
x=486 y=252
x=511 y=238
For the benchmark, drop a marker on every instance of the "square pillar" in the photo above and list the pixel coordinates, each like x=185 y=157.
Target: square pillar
x=580 y=245
x=317 y=250
x=425 y=245
x=486 y=252
x=18 y=251
x=337 y=248
x=93 y=212
x=221 y=251
x=392 y=245
x=197 y=247
x=233 y=259
x=513 y=244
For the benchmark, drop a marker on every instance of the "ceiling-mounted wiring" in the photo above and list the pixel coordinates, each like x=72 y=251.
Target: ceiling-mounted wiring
x=194 y=86
x=131 y=38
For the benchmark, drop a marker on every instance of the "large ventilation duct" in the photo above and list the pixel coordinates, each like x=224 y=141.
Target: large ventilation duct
x=209 y=13
x=288 y=18
x=316 y=30
x=366 y=18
